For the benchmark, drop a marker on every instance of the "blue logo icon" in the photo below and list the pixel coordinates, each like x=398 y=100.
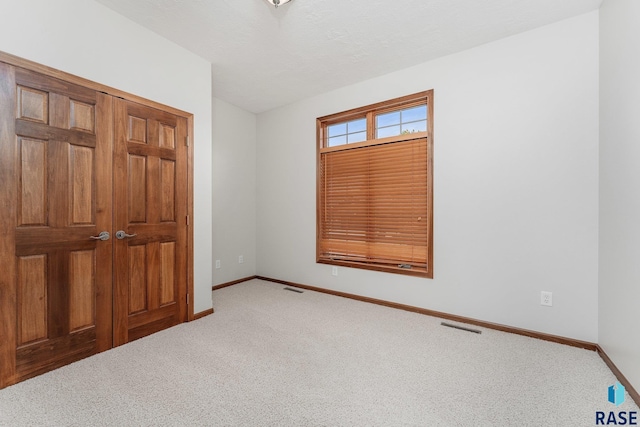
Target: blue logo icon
x=616 y=394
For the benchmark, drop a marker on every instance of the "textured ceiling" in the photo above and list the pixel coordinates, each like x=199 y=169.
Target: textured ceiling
x=264 y=57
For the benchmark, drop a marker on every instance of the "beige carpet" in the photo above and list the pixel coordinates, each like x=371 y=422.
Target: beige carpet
x=271 y=357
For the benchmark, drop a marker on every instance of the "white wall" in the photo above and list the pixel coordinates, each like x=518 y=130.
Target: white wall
x=234 y=191
x=620 y=184
x=516 y=183
x=85 y=38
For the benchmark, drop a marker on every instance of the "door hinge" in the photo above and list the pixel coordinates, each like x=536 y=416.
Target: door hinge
x=187 y=299
x=187 y=219
x=187 y=140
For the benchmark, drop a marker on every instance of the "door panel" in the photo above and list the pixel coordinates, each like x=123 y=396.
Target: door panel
x=32 y=298
x=54 y=167
x=150 y=206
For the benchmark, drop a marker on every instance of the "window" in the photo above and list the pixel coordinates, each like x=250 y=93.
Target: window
x=375 y=186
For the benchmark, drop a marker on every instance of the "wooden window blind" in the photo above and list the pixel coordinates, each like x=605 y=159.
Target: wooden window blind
x=375 y=197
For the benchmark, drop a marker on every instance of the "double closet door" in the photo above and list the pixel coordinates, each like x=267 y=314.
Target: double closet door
x=93 y=230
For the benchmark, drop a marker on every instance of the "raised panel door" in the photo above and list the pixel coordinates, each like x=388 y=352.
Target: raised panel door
x=56 y=282
x=150 y=209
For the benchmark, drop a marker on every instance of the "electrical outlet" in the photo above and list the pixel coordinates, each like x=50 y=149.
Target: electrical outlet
x=546 y=298
x=217 y=263
x=240 y=259
x=334 y=271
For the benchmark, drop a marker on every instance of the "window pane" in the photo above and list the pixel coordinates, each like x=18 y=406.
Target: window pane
x=413 y=119
x=388 y=119
x=337 y=140
x=347 y=132
x=357 y=126
x=388 y=131
x=414 y=127
x=357 y=137
x=414 y=114
x=339 y=129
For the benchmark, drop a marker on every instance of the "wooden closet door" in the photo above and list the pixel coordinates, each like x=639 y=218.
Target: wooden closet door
x=150 y=201
x=55 y=194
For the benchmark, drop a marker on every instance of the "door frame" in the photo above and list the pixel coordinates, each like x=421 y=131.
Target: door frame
x=7 y=293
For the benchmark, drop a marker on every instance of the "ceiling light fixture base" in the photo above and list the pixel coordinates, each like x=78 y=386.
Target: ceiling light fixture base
x=277 y=3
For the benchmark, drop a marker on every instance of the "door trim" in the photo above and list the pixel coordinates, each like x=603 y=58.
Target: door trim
x=190 y=191
x=8 y=304
x=71 y=78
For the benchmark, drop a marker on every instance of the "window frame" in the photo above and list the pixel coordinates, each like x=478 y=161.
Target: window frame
x=369 y=112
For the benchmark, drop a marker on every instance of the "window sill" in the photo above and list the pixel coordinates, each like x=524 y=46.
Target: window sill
x=415 y=271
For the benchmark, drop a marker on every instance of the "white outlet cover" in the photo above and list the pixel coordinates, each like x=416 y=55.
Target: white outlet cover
x=334 y=271
x=546 y=298
x=217 y=263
